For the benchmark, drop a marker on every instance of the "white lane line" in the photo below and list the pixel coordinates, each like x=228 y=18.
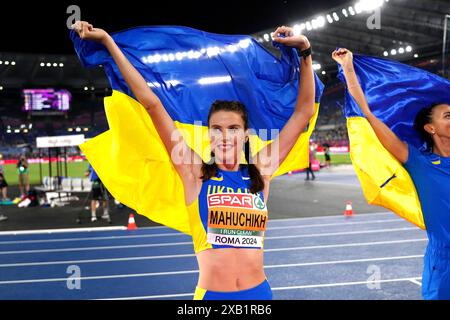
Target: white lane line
x=95 y=238
x=340 y=284
x=51 y=231
x=174 y=234
x=152 y=274
x=272 y=221
x=347 y=223
x=307 y=264
x=358 y=216
x=180 y=295
x=190 y=243
x=342 y=233
x=324 y=285
x=415 y=281
x=170 y=244
x=337 y=216
x=344 y=245
x=30 y=232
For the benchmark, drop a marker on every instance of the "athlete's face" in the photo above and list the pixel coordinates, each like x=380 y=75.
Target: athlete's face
x=228 y=135
x=439 y=127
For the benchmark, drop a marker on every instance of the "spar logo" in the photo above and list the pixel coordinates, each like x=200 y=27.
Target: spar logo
x=236 y=200
x=259 y=204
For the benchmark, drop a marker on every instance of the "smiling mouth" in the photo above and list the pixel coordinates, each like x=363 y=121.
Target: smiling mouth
x=226 y=146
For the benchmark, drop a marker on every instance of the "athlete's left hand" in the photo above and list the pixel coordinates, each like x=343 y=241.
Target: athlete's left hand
x=298 y=41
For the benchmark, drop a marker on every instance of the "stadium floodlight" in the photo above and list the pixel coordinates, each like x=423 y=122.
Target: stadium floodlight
x=6 y=62
x=48 y=64
x=368 y=5
x=315 y=23
x=330 y=18
x=358 y=8
x=266 y=37
x=416 y=55
x=297 y=30
x=317 y=66
x=55 y=64
x=86 y=88
x=61 y=65
x=393 y=52
x=42 y=64
x=335 y=16
x=1 y=88
x=308 y=26
x=321 y=21
x=401 y=50
x=408 y=49
x=1 y=62
x=351 y=10
x=13 y=63
x=385 y=53
x=324 y=72
x=345 y=13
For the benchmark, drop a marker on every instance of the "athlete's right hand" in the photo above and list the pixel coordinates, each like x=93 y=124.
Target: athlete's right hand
x=86 y=31
x=342 y=56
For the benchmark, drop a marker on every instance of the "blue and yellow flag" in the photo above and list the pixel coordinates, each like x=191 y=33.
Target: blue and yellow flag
x=395 y=93
x=188 y=70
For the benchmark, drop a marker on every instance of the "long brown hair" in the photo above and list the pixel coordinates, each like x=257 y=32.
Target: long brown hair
x=210 y=169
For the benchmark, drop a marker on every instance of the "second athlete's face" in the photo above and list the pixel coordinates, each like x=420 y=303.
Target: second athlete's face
x=440 y=123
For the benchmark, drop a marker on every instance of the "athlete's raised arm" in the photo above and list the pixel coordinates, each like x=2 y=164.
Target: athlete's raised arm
x=185 y=160
x=388 y=138
x=269 y=158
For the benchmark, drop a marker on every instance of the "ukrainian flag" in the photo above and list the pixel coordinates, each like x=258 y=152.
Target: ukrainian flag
x=188 y=70
x=395 y=93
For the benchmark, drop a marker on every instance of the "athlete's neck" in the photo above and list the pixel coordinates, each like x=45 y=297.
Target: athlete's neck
x=228 y=166
x=442 y=147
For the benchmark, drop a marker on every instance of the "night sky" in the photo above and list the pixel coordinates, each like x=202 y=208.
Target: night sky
x=40 y=27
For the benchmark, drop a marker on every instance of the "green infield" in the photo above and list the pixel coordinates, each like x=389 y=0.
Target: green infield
x=74 y=169
x=338 y=158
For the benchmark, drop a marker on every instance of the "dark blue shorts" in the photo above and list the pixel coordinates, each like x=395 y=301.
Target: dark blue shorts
x=260 y=292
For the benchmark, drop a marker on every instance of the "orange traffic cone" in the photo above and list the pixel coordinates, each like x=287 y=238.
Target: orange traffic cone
x=131 y=223
x=348 y=209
